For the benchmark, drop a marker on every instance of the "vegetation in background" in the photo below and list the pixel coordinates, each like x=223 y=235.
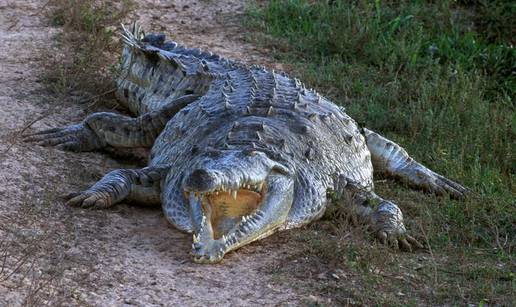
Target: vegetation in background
x=83 y=64
x=439 y=78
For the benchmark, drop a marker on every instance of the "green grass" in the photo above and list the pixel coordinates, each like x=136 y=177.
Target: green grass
x=438 y=77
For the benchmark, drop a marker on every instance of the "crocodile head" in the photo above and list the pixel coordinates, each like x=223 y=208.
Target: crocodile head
x=235 y=197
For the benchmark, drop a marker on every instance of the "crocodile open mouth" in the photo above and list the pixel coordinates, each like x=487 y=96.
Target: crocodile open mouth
x=225 y=206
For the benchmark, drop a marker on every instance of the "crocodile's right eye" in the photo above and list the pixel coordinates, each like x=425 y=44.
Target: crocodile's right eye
x=212 y=153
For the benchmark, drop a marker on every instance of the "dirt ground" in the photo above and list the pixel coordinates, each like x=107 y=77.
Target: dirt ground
x=54 y=255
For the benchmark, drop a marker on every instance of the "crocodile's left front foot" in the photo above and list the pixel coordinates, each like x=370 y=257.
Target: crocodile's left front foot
x=387 y=223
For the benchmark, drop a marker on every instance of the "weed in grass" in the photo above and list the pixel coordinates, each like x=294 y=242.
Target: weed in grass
x=438 y=78
x=85 y=60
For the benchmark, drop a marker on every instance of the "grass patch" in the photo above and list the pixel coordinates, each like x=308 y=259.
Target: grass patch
x=439 y=78
x=83 y=63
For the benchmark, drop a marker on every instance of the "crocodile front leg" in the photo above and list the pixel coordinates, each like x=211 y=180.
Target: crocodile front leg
x=140 y=185
x=102 y=129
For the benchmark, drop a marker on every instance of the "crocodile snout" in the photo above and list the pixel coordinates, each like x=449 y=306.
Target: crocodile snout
x=200 y=180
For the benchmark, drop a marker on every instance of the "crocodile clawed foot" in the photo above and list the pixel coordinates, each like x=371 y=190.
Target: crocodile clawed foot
x=90 y=199
x=454 y=189
x=111 y=189
x=388 y=226
x=397 y=240
x=420 y=176
x=71 y=138
x=210 y=251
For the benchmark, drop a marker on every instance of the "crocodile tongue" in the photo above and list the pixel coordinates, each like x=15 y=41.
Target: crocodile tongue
x=228 y=207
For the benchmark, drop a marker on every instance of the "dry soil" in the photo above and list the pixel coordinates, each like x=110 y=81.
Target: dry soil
x=128 y=255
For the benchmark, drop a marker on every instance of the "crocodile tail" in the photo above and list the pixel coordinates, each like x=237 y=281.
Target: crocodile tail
x=148 y=73
x=134 y=39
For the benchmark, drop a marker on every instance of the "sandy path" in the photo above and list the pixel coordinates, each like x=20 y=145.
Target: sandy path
x=206 y=24
x=128 y=255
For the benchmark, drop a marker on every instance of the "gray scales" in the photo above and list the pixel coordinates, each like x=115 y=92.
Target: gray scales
x=237 y=152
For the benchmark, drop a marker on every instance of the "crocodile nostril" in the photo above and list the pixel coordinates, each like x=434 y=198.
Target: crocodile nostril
x=200 y=180
x=199 y=173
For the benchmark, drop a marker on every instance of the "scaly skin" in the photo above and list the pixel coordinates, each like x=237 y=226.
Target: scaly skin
x=222 y=130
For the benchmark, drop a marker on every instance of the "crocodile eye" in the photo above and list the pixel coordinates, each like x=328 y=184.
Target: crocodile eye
x=251 y=153
x=213 y=154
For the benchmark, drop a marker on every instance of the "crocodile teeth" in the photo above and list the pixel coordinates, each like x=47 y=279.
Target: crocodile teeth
x=196 y=238
x=251 y=222
x=224 y=238
x=260 y=186
x=234 y=194
x=195 y=195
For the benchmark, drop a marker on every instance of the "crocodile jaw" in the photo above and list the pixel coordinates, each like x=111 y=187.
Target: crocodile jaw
x=254 y=215
x=225 y=206
x=234 y=198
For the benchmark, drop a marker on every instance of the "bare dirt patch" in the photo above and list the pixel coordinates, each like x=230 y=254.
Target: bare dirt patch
x=51 y=254
x=206 y=24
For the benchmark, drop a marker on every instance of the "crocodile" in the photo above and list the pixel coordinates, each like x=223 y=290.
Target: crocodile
x=238 y=151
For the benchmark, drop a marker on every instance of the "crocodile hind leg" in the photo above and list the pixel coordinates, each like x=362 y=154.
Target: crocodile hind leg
x=391 y=159
x=138 y=185
x=102 y=129
x=384 y=217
